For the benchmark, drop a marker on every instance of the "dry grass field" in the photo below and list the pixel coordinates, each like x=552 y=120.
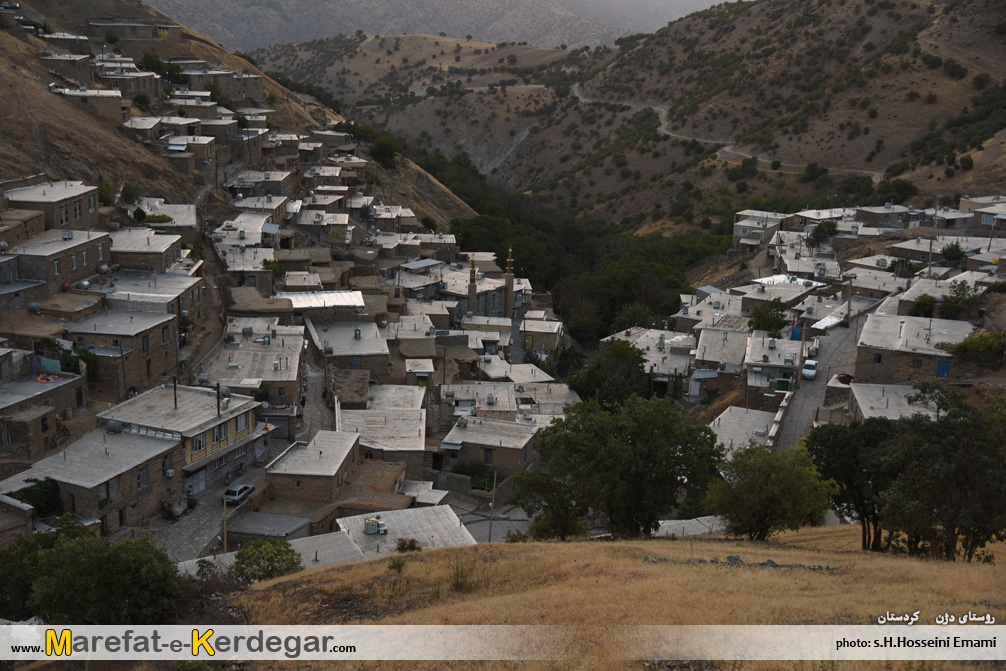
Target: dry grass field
x=592 y=586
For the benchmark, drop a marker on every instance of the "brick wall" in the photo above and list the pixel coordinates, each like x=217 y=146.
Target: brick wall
x=135 y=505
x=898 y=367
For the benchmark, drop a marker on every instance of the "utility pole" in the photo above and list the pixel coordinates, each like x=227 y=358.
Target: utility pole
x=225 y=526
x=492 y=507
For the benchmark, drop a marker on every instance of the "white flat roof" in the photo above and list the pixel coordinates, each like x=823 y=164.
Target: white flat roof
x=492 y=433
x=196 y=411
x=50 y=192
x=145 y=240
x=387 y=428
x=913 y=334
x=433 y=527
x=324 y=455
x=95 y=458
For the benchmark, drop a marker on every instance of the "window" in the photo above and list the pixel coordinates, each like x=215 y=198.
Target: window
x=62 y=214
x=145 y=344
x=241 y=451
x=220 y=433
x=164 y=334
x=83 y=257
x=241 y=422
x=55 y=266
x=297 y=482
x=219 y=463
x=141 y=477
x=916 y=363
x=101 y=252
x=115 y=342
x=281 y=391
x=90 y=203
x=166 y=464
x=76 y=209
x=198 y=443
x=73 y=261
x=109 y=490
x=877 y=358
x=45 y=423
x=487 y=457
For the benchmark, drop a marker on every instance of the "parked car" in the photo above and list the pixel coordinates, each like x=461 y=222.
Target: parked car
x=809 y=371
x=235 y=494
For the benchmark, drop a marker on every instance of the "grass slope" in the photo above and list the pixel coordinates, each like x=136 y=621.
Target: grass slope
x=594 y=585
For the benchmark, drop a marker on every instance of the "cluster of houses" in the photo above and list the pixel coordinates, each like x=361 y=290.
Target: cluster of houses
x=824 y=289
x=360 y=361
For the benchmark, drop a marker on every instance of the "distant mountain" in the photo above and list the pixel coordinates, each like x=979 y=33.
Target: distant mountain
x=248 y=24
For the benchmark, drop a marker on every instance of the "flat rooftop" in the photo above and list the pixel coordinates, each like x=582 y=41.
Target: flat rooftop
x=141 y=286
x=119 y=322
x=491 y=432
x=196 y=411
x=913 y=334
x=887 y=400
x=52 y=242
x=19 y=391
x=737 y=426
x=497 y=369
x=315 y=551
x=340 y=337
x=248 y=361
x=433 y=527
x=388 y=428
x=143 y=240
x=94 y=459
x=323 y=456
x=305 y=300
x=395 y=396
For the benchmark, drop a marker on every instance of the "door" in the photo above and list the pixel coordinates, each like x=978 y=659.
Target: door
x=196 y=482
x=943 y=369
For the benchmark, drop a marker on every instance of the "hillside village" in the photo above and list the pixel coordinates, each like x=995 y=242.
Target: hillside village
x=368 y=379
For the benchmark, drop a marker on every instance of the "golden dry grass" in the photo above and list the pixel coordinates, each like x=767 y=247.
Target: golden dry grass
x=594 y=585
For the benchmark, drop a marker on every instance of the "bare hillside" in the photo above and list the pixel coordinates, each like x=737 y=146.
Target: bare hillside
x=259 y=23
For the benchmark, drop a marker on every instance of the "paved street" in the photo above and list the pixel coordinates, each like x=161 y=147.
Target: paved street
x=189 y=535
x=837 y=354
x=317 y=415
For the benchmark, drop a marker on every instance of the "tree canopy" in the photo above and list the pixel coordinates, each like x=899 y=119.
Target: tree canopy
x=769 y=316
x=937 y=485
x=629 y=464
x=615 y=373
x=264 y=559
x=763 y=492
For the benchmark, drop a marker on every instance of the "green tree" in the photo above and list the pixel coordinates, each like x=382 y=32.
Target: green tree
x=384 y=150
x=105 y=194
x=953 y=254
x=854 y=456
x=131 y=193
x=924 y=306
x=634 y=314
x=769 y=316
x=631 y=463
x=549 y=496
x=111 y=36
x=763 y=492
x=960 y=300
x=986 y=349
x=824 y=230
x=615 y=372
x=142 y=100
x=949 y=500
x=264 y=559
x=83 y=580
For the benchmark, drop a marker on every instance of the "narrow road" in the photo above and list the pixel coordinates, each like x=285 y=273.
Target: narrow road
x=727 y=151
x=837 y=354
x=317 y=415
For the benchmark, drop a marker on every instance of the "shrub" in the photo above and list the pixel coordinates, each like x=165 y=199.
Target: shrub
x=986 y=349
x=396 y=564
x=408 y=545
